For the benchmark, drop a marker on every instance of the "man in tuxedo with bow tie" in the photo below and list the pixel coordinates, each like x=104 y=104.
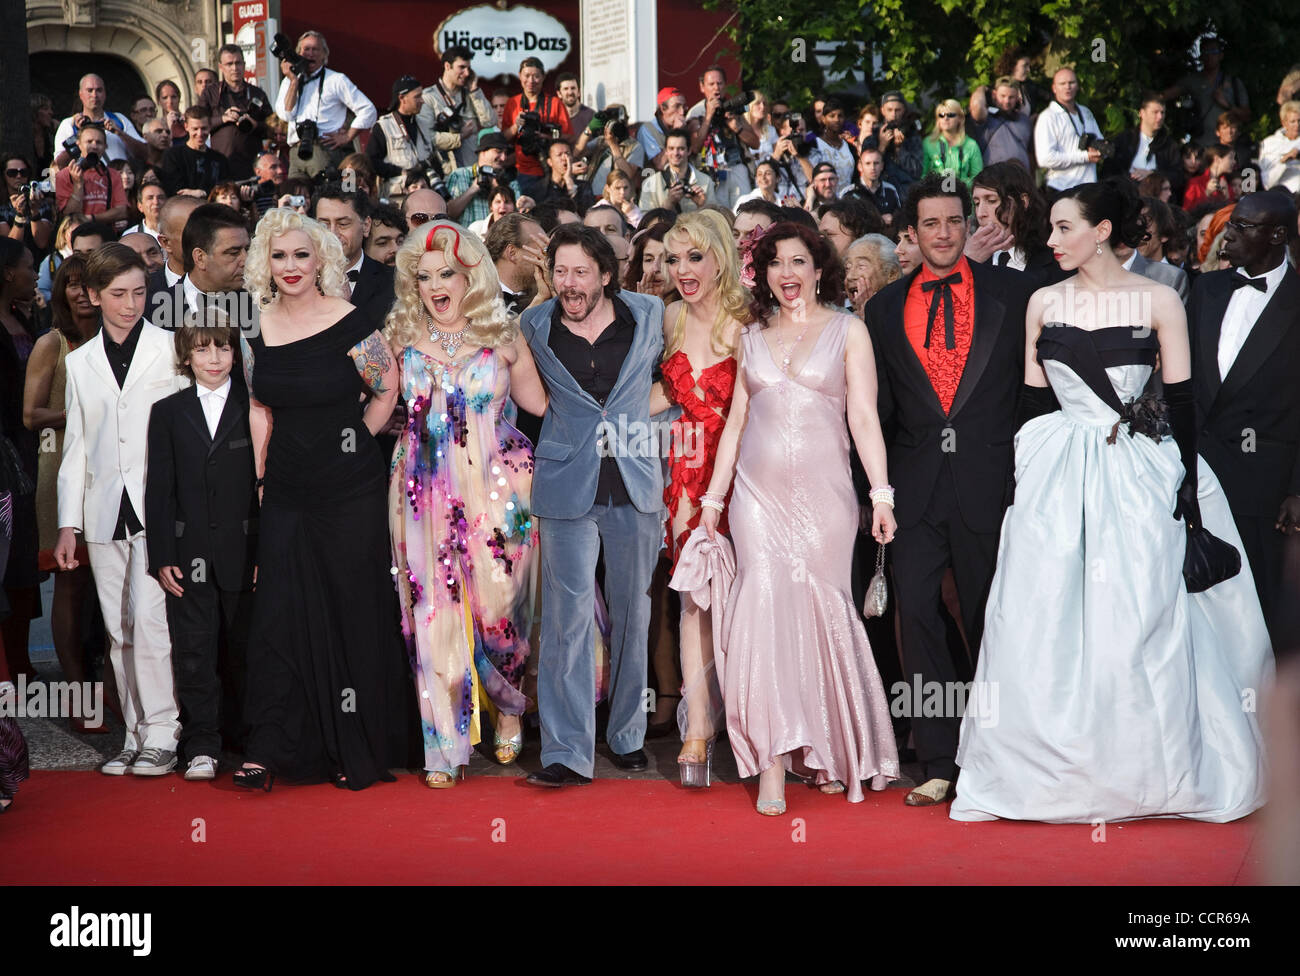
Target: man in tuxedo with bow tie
x=1244 y=326
x=214 y=247
x=949 y=341
x=346 y=214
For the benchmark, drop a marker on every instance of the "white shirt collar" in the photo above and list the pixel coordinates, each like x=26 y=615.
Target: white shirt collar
x=1271 y=278
x=357 y=267
x=172 y=276
x=220 y=392
x=1128 y=265
x=191 y=293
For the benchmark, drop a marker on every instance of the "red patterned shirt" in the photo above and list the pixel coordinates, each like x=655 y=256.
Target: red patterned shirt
x=944 y=366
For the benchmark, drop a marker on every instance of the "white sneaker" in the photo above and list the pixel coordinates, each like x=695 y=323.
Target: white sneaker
x=201 y=767
x=154 y=762
x=120 y=764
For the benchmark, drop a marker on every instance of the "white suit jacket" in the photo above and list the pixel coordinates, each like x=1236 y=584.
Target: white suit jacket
x=107 y=432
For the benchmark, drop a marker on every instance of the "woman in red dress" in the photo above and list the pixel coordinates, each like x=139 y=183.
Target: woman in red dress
x=701 y=333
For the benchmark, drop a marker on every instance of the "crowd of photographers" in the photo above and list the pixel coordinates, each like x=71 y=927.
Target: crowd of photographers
x=540 y=147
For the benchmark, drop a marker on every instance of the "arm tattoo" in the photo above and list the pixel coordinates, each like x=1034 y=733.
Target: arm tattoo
x=373 y=361
x=246 y=353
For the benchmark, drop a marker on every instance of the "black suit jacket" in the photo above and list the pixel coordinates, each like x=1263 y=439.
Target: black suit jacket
x=1257 y=405
x=200 y=497
x=155 y=285
x=1166 y=155
x=973 y=441
x=373 y=291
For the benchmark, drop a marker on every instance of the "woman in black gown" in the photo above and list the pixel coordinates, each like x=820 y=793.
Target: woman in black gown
x=328 y=684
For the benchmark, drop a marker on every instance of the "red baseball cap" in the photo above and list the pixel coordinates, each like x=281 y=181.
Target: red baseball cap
x=666 y=93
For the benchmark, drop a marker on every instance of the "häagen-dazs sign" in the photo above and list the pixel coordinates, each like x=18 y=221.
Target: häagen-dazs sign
x=500 y=39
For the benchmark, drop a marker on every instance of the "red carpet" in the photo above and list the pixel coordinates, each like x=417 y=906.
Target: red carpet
x=85 y=828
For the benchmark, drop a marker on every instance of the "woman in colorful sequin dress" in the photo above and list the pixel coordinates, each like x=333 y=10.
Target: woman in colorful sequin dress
x=700 y=336
x=463 y=534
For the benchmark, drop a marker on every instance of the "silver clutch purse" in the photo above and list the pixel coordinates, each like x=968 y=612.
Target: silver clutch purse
x=877 y=590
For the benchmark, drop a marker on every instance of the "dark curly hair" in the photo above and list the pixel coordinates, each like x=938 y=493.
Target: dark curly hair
x=824 y=258
x=1115 y=199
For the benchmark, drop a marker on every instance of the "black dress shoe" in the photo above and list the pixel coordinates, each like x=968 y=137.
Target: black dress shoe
x=631 y=761
x=556 y=775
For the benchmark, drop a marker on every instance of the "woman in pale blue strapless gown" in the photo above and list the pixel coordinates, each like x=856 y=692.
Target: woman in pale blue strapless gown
x=1104 y=690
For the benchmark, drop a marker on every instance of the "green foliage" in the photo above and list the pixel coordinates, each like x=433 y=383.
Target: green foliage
x=932 y=48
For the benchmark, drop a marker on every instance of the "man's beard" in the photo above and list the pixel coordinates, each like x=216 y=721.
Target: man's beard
x=577 y=304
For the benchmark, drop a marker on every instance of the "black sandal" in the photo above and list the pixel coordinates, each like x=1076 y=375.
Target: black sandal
x=260 y=778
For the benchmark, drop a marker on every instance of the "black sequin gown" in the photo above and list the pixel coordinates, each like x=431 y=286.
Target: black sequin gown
x=329 y=685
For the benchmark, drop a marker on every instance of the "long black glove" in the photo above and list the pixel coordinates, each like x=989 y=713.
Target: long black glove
x=1034 y=401
x=1182 y=418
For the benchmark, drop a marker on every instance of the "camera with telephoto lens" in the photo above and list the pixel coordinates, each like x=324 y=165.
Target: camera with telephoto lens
x=487 y=179
x=736 y=106
x=308 y=132
x=433 y=172
x=1089 y=141
x=615 y=114
x=282 y=48
x=71 y=148
x=534 y=134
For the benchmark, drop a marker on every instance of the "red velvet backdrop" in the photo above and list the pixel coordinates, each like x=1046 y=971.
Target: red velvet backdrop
x=375 y=42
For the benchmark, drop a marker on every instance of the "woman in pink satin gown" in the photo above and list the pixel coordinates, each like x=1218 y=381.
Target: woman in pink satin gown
x=800 y=686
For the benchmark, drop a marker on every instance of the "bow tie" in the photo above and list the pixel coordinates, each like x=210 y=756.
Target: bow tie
x=945 y=295
x=1240 y=281
x=354 y=275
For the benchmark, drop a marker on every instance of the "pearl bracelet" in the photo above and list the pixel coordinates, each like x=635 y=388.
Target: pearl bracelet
x=883 y=495
x=713 y=503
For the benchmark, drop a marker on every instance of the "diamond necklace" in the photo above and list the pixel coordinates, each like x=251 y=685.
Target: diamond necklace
x=786 y=354
x=450 y=341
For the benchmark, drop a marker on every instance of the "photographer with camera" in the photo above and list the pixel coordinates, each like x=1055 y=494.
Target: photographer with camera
x=26 y=208
x=121 y=138
x=455 y=104
x=315 y=102
x=900 y=140
x=532 y=120
x=87 y=185
x=237 y=113
x=471 y=187
x=1067 y=140
x=560 y=186
x=611 y=148
x=792 y=157
x=670 y=114
x=409 y=138
x=678 y=186
x=718 y=136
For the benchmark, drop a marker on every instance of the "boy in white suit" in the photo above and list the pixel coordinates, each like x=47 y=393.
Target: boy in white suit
x=113 y=382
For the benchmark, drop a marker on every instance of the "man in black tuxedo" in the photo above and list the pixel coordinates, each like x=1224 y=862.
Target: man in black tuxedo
x=949 y=341
x=172 y=218
x=214 y=244
x=1245 y=332
x=201 y=505
x=346 y=214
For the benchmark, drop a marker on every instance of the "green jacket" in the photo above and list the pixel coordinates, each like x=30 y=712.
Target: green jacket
x=940 y=157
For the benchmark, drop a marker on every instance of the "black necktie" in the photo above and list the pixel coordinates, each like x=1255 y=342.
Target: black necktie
x=1004 y=258
x=353 y=275
x=949 y=339
x=1239 y=281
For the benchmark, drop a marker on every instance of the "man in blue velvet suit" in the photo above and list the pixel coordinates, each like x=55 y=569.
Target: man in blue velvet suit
x=597 y=481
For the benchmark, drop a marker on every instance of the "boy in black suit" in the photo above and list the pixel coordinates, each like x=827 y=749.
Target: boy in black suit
x=201 y=504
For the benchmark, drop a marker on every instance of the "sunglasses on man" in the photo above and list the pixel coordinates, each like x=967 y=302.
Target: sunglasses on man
x=416 y=219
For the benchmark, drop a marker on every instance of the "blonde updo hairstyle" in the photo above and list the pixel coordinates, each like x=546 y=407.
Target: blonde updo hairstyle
x=490 y=325
x=277 y=223
x=709 y=231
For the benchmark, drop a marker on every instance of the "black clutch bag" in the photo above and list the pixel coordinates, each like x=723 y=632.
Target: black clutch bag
x=1208 y=560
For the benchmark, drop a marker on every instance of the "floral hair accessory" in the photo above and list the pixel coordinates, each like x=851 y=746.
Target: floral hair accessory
x=746 y=248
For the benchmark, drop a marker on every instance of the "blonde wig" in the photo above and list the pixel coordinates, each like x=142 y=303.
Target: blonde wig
x=490 y=325
x=709 y=232
x=277 y=223
x=950 y=105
